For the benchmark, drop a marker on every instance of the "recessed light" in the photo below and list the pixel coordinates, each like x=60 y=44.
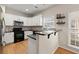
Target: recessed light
x=26 y=9
x=34 y=4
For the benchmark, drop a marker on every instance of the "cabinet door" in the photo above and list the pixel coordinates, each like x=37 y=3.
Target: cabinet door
x=48 y=45
x=23 y=19
x=33 y=21
x=9 y=19
x=28 y=21
x=8 y=38
x=37 y=20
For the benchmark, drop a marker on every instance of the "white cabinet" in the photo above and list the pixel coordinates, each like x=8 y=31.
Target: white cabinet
x=23 y=19
x=37 y=20
x=9 y=19
x=34 y=21
x=47 y=46
x=43 y=44
x=28 y=21
x=8 y=38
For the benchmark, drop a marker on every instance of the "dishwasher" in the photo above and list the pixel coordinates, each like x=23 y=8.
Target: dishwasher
x=33 y=44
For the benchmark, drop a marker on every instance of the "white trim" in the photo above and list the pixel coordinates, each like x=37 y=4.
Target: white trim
x=69 y=49
x=69 y=32
x=55 y=50
x=73 y=46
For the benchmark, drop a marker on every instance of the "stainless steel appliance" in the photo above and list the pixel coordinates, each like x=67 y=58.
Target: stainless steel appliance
x=18 y=32
x=18 y=24
x=2 y=26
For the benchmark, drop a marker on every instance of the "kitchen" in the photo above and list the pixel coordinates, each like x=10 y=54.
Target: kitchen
x=41 y=27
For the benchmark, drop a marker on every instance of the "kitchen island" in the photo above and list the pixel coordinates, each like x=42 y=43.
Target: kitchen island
x=45 y=42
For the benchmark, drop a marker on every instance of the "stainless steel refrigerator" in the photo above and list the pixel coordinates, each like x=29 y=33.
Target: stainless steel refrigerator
x=2 y=27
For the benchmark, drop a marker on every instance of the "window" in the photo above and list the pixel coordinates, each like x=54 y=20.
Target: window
x=74 y=29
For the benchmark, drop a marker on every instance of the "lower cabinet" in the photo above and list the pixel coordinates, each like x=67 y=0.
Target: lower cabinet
x=8 y=38
x=48 y=45
x=43 y=44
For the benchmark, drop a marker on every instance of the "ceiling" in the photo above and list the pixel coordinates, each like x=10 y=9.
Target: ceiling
x=29 y=8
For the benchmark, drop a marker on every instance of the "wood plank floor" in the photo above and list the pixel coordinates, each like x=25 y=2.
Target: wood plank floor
x=63 y=51
x=16 y=48
x=22 y=48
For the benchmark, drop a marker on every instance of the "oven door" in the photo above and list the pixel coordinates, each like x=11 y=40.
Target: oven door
x=18 y=36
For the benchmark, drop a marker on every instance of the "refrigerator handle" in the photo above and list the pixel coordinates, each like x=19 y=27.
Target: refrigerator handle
x=3 y=27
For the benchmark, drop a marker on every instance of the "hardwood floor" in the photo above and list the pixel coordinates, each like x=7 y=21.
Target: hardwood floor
x=22 y=48
x=16 y=48
x=63 y=51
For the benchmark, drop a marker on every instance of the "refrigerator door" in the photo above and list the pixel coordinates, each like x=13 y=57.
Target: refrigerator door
x=2 y=26
x=2 y=20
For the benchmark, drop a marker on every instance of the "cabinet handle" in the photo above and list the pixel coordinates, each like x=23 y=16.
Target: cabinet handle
x=54 y=33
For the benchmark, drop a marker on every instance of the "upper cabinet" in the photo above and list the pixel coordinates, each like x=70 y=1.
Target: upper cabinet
x=28 y=21
x=33 y=21
x=37 y=20
x=9 y=19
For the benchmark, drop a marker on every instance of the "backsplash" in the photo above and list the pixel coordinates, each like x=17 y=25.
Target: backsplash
x=24 y=28
x=9 y=29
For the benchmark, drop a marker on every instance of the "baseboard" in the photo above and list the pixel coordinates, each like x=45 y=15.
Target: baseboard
x=69 y=49
x=53 y=51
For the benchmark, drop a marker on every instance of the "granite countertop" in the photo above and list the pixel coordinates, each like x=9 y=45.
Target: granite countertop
x=32 y=36
x=45 y=32
x=27 y=28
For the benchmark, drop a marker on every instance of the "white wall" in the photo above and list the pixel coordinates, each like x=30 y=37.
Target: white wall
x=63 y=35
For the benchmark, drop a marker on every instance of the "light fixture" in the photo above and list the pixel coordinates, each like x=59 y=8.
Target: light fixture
x=35 y=5
x=26 y=9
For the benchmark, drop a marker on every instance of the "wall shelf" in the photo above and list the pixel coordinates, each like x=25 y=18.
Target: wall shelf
x=60 y=23
x=61 y=17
